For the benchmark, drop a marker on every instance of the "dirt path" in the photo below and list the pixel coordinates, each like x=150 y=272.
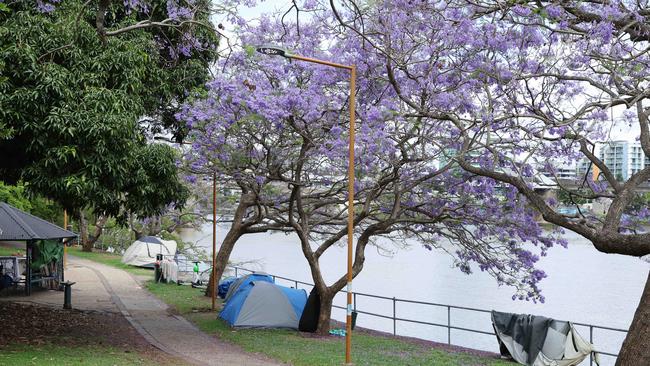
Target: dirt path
x=107 y=289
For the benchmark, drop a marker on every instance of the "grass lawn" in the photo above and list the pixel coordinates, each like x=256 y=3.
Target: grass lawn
x=48 y=354
x=291 y=346
x=184 y=299
x=114 y=260
x=299 y=349
x=4 y=251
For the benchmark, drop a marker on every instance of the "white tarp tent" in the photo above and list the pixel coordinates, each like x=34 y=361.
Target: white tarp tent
x=142 y=252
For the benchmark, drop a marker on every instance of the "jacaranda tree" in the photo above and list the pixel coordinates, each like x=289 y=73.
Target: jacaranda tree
x=521 y=85
x=279 y=131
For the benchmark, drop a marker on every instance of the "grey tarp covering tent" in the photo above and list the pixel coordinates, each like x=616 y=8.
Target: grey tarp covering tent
x=17 y=225
x=539 y=341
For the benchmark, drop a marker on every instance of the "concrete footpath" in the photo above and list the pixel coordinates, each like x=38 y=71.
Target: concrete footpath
x=103 y=288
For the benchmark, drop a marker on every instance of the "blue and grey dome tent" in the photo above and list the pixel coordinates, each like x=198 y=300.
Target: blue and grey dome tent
x=261 y=304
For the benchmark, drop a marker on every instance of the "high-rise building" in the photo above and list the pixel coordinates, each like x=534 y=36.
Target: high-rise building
x=623 y=158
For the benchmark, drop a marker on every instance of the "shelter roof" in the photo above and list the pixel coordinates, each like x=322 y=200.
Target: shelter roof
x=18 y=225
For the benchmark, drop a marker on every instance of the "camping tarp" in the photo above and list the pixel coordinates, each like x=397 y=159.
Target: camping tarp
x=539 y=341
x=142 y=252
x=309 y=319
x=261 y=304
x=224 y=286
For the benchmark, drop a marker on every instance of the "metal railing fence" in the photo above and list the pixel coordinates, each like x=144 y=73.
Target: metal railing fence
x=448 y=325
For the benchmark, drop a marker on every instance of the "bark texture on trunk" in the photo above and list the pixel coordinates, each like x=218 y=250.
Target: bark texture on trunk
x=636 y=347
x=83 y=232
x=88 y=241
x=234 y=233
x=325 y=314
x=222 y=257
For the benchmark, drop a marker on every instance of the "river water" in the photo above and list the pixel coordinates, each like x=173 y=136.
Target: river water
x=583 y=286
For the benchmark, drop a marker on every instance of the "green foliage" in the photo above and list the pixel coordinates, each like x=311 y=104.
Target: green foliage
x=641 y=200
x=11 y=251
x=48 y=251
x=17 y=196
x=567 y=198
x=74 y=110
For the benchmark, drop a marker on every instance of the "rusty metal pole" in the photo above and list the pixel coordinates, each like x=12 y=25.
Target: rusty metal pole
x=65 y=247
x=276 y=51
x=214 y=239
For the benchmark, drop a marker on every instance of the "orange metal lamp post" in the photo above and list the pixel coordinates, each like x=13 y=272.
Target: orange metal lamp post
x=214 y=239
x=65 y=247
x=276 y=51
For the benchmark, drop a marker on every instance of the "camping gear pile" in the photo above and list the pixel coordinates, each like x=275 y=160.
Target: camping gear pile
x=142 y=253
x=255 y=301
x=539 y=341
x=169 y=270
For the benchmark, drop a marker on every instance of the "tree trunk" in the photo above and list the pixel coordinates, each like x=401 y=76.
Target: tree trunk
x=635 y=350
x=83 y=231
x=88 y=241
x=136 y=233
x=325 y=314
x=234 y=233
x=223 y=255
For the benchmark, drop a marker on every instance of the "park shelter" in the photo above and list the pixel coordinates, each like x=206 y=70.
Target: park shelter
x=261 y=304
x=539 y=341
x=44 y=242
x=143 y=252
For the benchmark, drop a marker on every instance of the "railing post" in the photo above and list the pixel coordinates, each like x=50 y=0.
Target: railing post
x=235 y=271
x=354 y=301
x=296 y=281
x=448 y=324
x=591 y=340
x=394 y=317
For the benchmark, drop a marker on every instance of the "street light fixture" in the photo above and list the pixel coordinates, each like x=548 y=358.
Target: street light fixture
x=278 y=51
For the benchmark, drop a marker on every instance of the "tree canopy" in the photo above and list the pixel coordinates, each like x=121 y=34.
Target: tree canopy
x=76 y=108
x=501 y=89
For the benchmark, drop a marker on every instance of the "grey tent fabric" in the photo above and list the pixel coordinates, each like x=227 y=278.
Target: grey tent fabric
x=257 y=276
x=539 y=341
x=150 y=239
x=266 y=307
x=19 y=225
